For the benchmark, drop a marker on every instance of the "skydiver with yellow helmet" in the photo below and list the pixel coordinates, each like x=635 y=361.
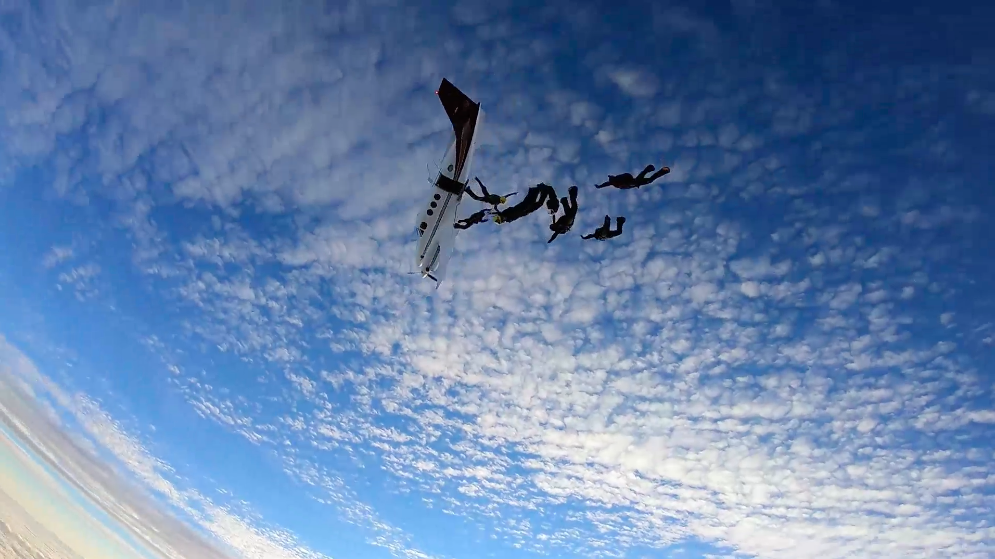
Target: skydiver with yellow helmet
x=488 y=198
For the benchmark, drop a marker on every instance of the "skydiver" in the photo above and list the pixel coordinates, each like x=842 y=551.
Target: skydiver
x=534 y=199
x=604 y=232
x=473 y=219
x=626 y=181
x=487 y=197
x=562 y=225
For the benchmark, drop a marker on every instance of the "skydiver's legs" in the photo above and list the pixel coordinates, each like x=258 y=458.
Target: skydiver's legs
x=658 y=174
x=607 y=224
x=533 y=200
x=642 y=174
x=642 y=181
x=469 y=191
x=619 y=222
x=483 y=189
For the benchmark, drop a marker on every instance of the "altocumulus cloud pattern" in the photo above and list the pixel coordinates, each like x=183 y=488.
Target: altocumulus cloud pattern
x=207 y=210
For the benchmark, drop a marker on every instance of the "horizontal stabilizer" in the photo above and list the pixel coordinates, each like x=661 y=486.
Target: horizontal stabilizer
x=458 y=106
x=463 y=114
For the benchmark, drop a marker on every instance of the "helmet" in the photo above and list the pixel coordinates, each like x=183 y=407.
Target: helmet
x=502 y=199
x=498 y=218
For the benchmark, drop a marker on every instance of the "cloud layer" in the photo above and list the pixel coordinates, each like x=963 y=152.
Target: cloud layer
x=778 y=357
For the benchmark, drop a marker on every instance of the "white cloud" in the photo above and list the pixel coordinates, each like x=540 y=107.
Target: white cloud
x=56 y=255
x=614 y=395
x=759 y=268
x=750 y=289
x=634 y=82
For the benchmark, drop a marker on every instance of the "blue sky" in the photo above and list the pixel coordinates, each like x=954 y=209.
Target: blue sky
x=207 y=215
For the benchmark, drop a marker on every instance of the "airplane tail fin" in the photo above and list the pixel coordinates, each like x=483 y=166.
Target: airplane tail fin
x=460 y=108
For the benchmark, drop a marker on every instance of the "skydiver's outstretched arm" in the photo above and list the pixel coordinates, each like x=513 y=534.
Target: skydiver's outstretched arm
x=555 y=234
x=591 y=236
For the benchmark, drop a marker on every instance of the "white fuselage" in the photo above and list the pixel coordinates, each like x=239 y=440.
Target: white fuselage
x=436 y=227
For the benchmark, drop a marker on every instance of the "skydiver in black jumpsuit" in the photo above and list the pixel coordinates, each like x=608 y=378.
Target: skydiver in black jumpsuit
x=487 y=197
x=562 y=225
x=473 y=219
x=626 y=181
x=534 y=199
x=604 y=232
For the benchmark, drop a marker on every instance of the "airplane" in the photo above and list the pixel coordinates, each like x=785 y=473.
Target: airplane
x=436 y=230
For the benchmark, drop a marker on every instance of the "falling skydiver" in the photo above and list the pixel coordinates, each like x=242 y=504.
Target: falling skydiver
x=626 y=181
x=488 y=198
x=562 y=224
x=605 y=232
x=473 y=219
